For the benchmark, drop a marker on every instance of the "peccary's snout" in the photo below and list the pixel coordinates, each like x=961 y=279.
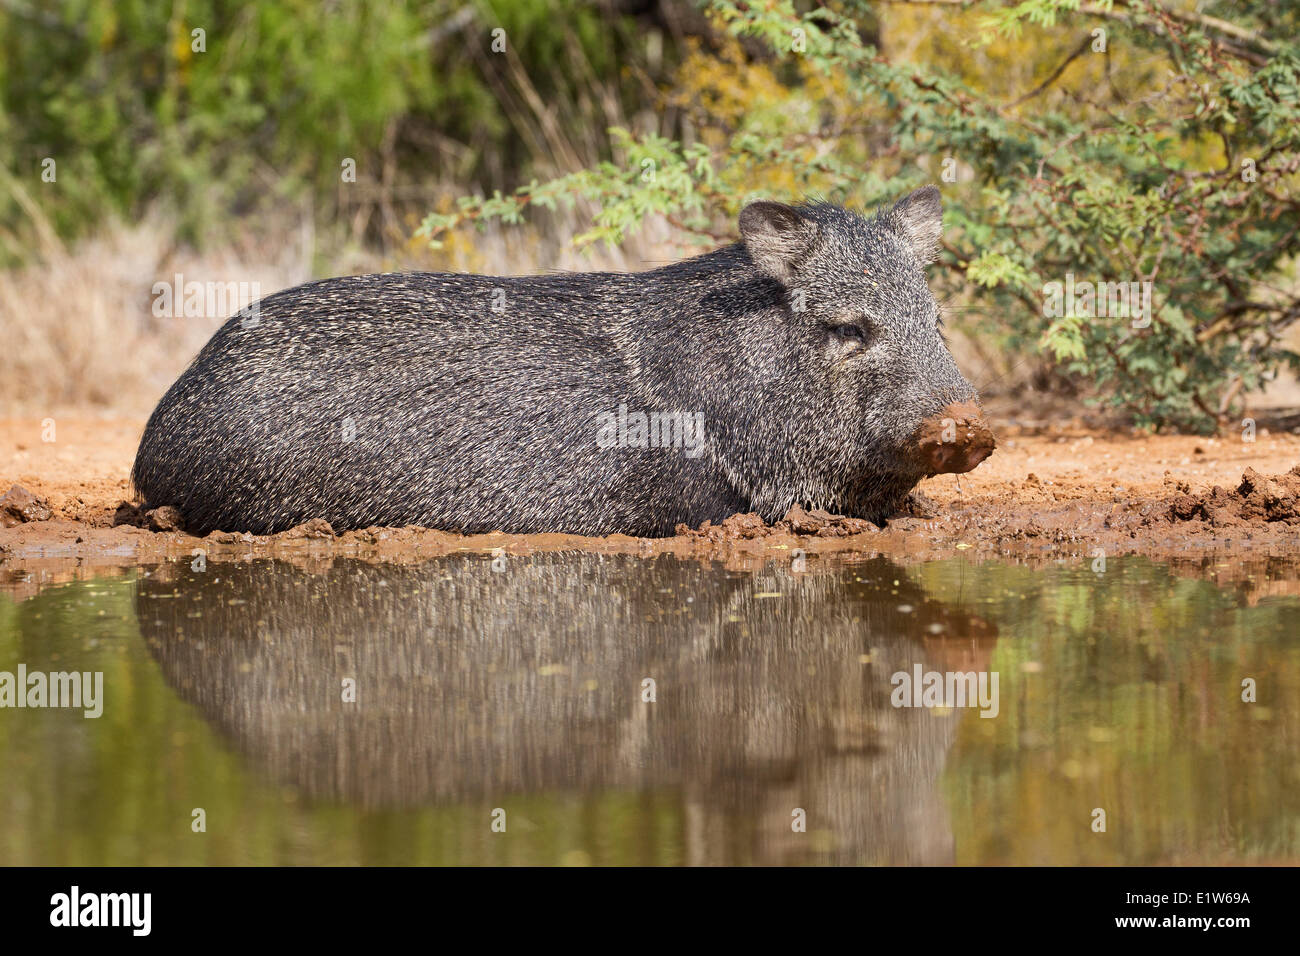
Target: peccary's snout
x=954 y=440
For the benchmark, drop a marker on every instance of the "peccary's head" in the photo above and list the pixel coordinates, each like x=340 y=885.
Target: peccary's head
x=850 y=393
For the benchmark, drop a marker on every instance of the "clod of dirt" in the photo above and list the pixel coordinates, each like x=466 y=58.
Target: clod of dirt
x=816 y=523
x=18 y=506
x=954 y=441
x=229 y=537
x=316 y=528
x=129 y=514
x=737 y=527
x=822 y=524
x=920 y=505
x=166 y=518
x=1258 y=498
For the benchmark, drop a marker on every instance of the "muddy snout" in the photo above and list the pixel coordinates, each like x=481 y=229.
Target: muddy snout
x=953 y=441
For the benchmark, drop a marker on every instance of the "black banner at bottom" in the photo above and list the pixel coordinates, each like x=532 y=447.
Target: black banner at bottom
x=956 y=905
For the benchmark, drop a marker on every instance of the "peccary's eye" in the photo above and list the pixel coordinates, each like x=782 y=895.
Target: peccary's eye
x=849 y=332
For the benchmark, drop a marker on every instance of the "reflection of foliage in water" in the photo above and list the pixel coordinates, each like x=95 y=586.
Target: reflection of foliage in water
x=1125 y=694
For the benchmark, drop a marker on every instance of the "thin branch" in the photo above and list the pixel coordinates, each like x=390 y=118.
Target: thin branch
x=1128 y=13
x=1079 y=51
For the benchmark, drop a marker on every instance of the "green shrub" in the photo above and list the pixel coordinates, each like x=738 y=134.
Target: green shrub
x=136 y=108
x=1176 y=171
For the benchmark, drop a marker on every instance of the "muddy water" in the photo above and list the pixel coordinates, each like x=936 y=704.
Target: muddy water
x=351 y=712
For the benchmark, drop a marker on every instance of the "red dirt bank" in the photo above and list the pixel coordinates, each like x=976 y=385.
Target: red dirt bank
x=1050 y=493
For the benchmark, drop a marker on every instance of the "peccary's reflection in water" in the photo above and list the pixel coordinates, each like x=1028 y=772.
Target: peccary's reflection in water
x=475 y=685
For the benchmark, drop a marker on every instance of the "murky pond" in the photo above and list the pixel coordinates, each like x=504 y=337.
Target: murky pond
x=585 y=708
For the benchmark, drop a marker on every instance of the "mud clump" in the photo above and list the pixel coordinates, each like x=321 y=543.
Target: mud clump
x=130 y=515
x=955 y=440
x=822 y=524
x=230 y=537
x=1258 y=499
x=739 y=527
x=920 y=505
x=317 y=529
x=165 y=518
x=743 y=527
x=19 y=506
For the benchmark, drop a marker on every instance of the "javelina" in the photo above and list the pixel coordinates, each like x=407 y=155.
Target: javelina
x=805 y=364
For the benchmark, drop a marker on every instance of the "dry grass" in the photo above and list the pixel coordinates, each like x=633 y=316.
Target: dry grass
x=79 y=325
x=79 y=328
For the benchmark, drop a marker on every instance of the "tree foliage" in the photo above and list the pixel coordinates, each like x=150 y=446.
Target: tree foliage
x=220 y=108
x=1160 y=147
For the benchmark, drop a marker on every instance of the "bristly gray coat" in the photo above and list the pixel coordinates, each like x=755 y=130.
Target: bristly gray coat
x=811 y=353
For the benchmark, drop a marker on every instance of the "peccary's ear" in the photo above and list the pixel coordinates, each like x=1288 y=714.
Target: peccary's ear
x=777 y=236
x=918 y=218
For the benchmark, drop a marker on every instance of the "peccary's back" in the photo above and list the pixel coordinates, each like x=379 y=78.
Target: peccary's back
x=453 y=401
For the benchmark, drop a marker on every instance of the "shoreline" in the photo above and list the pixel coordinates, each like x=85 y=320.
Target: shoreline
x=1066 y=492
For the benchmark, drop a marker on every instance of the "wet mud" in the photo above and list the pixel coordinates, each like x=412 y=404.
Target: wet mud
x=1045 y=495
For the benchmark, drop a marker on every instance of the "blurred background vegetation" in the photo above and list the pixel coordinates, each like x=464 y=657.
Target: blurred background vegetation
x=282 y=93
x=1114 y=141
